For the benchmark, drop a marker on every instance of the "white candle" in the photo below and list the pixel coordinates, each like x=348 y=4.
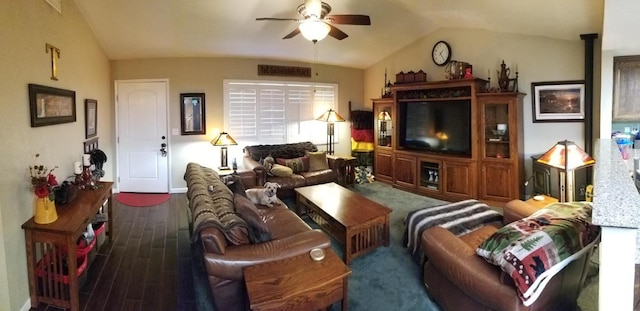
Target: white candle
x=86 y=159
x=77 y=168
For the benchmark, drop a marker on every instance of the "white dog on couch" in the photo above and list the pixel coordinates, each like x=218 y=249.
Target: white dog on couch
x=265 y=196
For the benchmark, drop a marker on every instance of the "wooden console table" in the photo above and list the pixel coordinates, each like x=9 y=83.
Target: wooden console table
x=55 y=244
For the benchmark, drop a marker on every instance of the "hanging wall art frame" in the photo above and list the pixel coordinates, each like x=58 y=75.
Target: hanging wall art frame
x=560 y=101
x=51 y=105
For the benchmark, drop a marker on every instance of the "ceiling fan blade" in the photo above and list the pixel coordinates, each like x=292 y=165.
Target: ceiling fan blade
x=294 y=33
x=337 y=33
x=275 y=19
x=350 y=19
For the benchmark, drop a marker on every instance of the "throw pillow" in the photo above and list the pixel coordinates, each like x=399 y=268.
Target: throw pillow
x=317 y=161
x=281 y=171
x=298 y=165
x=234 y=183
x=249 y=212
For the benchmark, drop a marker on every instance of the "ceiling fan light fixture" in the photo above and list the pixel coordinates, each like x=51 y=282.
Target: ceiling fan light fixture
x=314 y=30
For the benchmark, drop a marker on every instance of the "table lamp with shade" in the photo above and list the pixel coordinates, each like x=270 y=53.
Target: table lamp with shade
x=566 y=156
x=223 y=140
x=330 y=116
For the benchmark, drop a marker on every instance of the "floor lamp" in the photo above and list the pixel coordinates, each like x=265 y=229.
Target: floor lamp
x=330 y=116
x=567 y=157
x=223 y=140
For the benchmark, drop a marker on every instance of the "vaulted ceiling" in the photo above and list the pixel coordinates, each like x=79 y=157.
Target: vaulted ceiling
x=219 y=28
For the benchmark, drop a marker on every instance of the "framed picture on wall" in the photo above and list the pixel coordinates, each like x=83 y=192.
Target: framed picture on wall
x=91 y=118
x=50 y=105
x=559 y=101
x=192 y=118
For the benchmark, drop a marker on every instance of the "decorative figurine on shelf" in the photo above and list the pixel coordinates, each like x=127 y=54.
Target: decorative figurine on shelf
x=503 y=77
x=467 y=73
x=505 y=83
x=387 y=86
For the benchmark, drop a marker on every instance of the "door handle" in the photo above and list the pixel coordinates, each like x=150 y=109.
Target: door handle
x=163 y=149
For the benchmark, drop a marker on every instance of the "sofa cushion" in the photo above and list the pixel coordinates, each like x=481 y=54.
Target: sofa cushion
x=249 y=212
x=300 y=164
x=281 y=171
x=533 y=249
x=286 y=151
x=319 y=177
x=317 y=161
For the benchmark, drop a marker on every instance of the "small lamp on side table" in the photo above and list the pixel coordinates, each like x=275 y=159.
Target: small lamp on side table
x=330 y=116
x=567 y=157
x=223 y=140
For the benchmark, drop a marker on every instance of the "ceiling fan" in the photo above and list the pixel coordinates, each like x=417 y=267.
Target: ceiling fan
x=316 y=24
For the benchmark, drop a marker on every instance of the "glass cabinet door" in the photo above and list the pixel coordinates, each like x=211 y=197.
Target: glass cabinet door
x=384 y=124
x=496 y=130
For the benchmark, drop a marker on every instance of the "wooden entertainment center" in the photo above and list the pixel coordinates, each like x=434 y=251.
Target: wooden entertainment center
x=489 y=164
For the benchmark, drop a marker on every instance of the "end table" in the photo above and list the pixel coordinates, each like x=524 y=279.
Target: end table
x=541 y=204
x=297 y=283
x=346 y=174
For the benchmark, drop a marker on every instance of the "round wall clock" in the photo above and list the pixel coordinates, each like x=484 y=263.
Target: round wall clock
x=441 y=53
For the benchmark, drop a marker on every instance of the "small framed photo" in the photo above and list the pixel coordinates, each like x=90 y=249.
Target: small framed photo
x=561 y=101
x=51 y=105
x=192 y=118
x=90 y=118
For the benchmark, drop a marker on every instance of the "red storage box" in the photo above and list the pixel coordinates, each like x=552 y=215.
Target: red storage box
x=98 y=227
x=46 y=264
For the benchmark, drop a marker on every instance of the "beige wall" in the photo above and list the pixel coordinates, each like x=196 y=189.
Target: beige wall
x=206 y=75
x=536 y=58
x=82 y=67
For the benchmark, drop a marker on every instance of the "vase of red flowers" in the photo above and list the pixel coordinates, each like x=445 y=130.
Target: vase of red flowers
x=43 y=182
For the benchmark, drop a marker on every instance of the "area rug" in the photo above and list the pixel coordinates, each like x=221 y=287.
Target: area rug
x=142 y=199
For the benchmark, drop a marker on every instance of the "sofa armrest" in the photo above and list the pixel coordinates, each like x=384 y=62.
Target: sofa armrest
x=460 y=264
x=259 y=170
x=229 y=266
x=517 y=209
x=249 y=178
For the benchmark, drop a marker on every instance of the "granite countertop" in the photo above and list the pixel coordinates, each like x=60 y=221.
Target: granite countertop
x=616 y=199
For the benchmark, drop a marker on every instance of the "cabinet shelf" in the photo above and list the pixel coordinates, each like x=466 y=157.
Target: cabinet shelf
x=433 y=99
x=489 y=141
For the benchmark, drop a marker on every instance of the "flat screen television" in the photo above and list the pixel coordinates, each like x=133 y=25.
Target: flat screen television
x=436 y=126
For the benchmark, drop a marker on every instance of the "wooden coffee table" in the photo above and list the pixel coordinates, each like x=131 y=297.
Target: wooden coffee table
x=297 y=283
x=355 y=221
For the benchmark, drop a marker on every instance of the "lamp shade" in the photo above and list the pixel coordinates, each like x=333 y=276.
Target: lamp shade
x=566 y=155
x=330 y=116
x=384 y=116
x=223 y=140
x=314 y=29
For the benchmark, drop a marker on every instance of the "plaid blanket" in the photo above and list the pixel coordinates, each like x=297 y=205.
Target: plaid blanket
x=458 y=217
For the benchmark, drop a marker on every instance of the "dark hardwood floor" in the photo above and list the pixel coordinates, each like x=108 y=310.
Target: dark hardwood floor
x=147 y=266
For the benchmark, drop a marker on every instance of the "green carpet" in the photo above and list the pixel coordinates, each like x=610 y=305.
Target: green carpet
x=386 y=278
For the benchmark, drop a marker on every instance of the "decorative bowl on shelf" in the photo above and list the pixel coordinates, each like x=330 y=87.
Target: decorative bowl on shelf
x=499 y=132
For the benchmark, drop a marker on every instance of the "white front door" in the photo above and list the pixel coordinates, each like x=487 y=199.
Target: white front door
x=142 y=129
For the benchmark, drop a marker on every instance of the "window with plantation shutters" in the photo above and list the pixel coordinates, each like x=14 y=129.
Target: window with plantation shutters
x=275 y=112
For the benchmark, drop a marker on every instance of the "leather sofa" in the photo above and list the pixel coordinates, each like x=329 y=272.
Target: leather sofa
x=216 y=226
x=254 y=154
x=458 y=279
